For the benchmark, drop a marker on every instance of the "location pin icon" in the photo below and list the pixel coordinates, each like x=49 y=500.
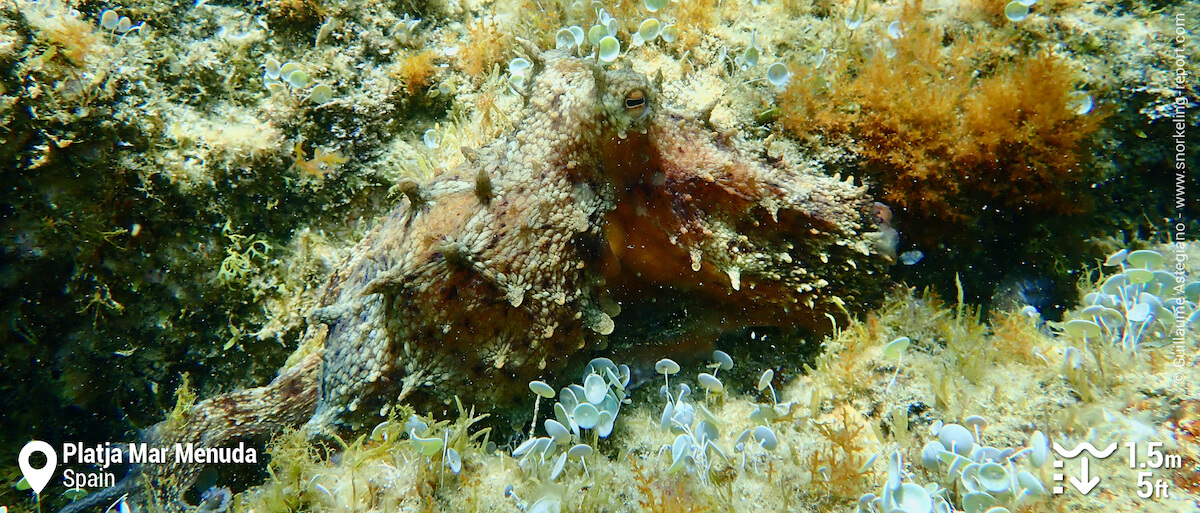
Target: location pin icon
x=38 y=477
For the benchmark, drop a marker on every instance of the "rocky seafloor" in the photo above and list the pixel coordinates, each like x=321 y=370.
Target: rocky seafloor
x=182 y=181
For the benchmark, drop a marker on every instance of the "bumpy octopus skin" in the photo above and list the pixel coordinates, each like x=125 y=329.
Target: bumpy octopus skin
x=508 y=267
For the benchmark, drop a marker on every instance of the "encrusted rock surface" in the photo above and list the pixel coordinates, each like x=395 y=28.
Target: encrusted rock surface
x=509 y=267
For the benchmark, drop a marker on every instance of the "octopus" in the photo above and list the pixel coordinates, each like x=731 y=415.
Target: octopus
x=517 y=263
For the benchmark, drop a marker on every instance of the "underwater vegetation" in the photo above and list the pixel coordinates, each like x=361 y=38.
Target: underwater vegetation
x=952 y=132
x=982 y=133
x=867 y=429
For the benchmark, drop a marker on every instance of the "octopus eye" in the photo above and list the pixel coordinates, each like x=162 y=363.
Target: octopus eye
x=635 y=99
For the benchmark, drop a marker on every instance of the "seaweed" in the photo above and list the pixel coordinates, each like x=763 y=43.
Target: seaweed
x=414 y=70
x=954 y=128
x=841 y=465
x=656 y=500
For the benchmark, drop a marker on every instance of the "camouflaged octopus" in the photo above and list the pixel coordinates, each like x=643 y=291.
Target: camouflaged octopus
x=509 y=267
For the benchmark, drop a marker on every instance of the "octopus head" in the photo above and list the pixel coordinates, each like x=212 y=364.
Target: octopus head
x=627 y=101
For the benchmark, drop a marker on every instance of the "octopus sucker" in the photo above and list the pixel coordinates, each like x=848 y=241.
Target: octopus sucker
x=515 y=265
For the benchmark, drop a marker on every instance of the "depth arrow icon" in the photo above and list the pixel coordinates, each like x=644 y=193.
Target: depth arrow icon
x=1083 y=484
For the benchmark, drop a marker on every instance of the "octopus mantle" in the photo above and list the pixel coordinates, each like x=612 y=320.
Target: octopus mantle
x=509 y=267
